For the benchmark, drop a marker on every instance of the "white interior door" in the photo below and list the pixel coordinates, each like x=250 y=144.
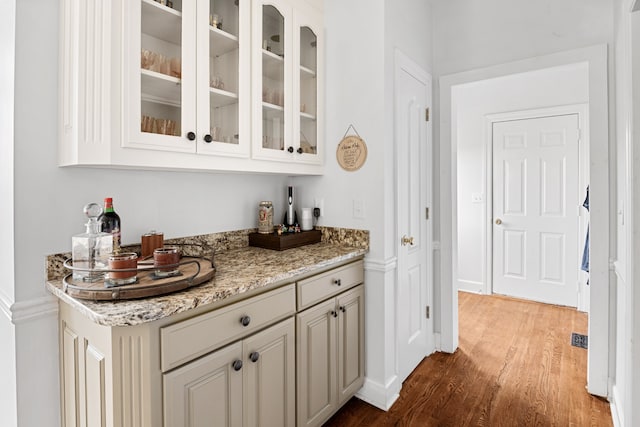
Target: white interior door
x=413 y=148
x=536 y=200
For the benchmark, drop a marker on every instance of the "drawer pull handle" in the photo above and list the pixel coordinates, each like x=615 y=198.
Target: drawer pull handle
x=334 y=313
x=337 y=282
x=236 y=365
x=343 y=309
x=254 y=356
x=245 y=320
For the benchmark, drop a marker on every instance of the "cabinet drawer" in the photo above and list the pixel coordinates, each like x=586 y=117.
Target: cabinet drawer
x=325 y=285
x=186 y=340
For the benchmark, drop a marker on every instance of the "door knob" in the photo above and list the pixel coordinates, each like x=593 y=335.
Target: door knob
x=407 y=241
x=498 y=221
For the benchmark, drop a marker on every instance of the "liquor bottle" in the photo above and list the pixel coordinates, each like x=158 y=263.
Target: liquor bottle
x=111 y=223
x=90 y=250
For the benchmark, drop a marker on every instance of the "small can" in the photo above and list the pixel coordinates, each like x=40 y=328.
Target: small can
x=265 y=217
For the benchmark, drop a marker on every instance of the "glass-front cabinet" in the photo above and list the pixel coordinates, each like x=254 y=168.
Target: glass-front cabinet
x=286 y=82
x=220 y=85
x=188 y=76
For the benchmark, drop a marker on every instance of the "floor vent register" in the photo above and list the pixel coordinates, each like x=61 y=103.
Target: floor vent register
x=579 y=340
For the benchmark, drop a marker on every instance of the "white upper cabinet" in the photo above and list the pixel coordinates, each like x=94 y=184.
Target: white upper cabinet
x=221 y=85
x=185 y=84
x=287 y=96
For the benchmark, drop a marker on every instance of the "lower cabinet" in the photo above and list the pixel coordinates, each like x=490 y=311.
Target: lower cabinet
x=290 y=356
x=330 y=355
x=248 y=383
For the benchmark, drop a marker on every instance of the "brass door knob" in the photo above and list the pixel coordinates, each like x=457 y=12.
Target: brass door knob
x=498 y=221
x=407 y=241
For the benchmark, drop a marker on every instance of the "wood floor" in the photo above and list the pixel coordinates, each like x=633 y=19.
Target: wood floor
x=515 y=366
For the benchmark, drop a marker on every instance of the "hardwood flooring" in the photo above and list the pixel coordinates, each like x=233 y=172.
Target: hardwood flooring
x=515 y=366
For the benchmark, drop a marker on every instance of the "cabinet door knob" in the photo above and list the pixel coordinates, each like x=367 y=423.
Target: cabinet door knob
x=337 y=282
x=236 y=365
x=207 y=138
x=191 y=136
x=343 y=308
x=290 y=149
x=254 y=356
x=245 y=320
x=299 y=150
x=333 y=313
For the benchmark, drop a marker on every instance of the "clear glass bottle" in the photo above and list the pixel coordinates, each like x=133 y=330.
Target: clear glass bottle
x=91 y=249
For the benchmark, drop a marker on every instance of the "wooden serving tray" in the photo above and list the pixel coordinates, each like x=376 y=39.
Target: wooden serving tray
x=147 y=285
x=280 y=242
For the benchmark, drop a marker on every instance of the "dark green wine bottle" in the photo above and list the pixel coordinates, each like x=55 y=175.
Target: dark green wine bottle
x=111 y=223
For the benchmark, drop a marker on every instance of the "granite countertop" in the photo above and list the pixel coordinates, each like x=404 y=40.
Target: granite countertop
x=238 y=271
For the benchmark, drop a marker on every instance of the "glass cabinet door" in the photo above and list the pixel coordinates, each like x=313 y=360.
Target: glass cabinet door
x=161 y=84
x=223 y=85
x=288 y=104
x=307 y=93
x=272 y=69
x=273 y=74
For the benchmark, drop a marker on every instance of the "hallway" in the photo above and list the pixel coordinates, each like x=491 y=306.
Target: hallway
x=515 y=367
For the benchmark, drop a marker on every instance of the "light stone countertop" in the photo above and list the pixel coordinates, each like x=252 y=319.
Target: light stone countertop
x=237 y=271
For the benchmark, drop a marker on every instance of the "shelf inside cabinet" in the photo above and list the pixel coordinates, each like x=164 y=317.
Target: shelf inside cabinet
x=307 y=116
x=160 y=88
x=306 y=72
x=220 y=98
x=161 y=22
x=271 y=111
x=272 y=107
x=221 y=42
x=272 y=66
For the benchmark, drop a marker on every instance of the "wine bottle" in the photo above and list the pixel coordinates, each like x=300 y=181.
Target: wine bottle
x=111 y=223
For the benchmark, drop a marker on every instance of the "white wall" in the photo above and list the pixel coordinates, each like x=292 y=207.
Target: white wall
x=624 y=390
x=361 y=38
x=551 y=87
x=8 y=404
x=623 y=98
x=476 y=34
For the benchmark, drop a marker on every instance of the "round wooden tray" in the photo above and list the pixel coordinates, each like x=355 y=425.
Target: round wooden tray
x=194 y=271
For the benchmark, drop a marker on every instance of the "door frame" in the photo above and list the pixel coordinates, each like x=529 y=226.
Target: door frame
x=405 y=63
x=600 y=315
x=582 y=111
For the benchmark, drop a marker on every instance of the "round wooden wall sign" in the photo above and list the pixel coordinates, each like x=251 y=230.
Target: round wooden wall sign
x=351 y=153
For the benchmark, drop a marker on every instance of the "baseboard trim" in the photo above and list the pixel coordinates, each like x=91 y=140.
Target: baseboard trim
x=616 y=411
x=383 y=266
x=378 y=395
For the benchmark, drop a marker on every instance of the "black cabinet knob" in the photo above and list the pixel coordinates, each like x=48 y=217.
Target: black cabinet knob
x=337 y=282
x=299 y=150
x=254 y=356
x=245 y=320
x=207 y=138
x=236 y=365
x=333 y=313
x=191 y=136
x=290 y=149
x=343 y=308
